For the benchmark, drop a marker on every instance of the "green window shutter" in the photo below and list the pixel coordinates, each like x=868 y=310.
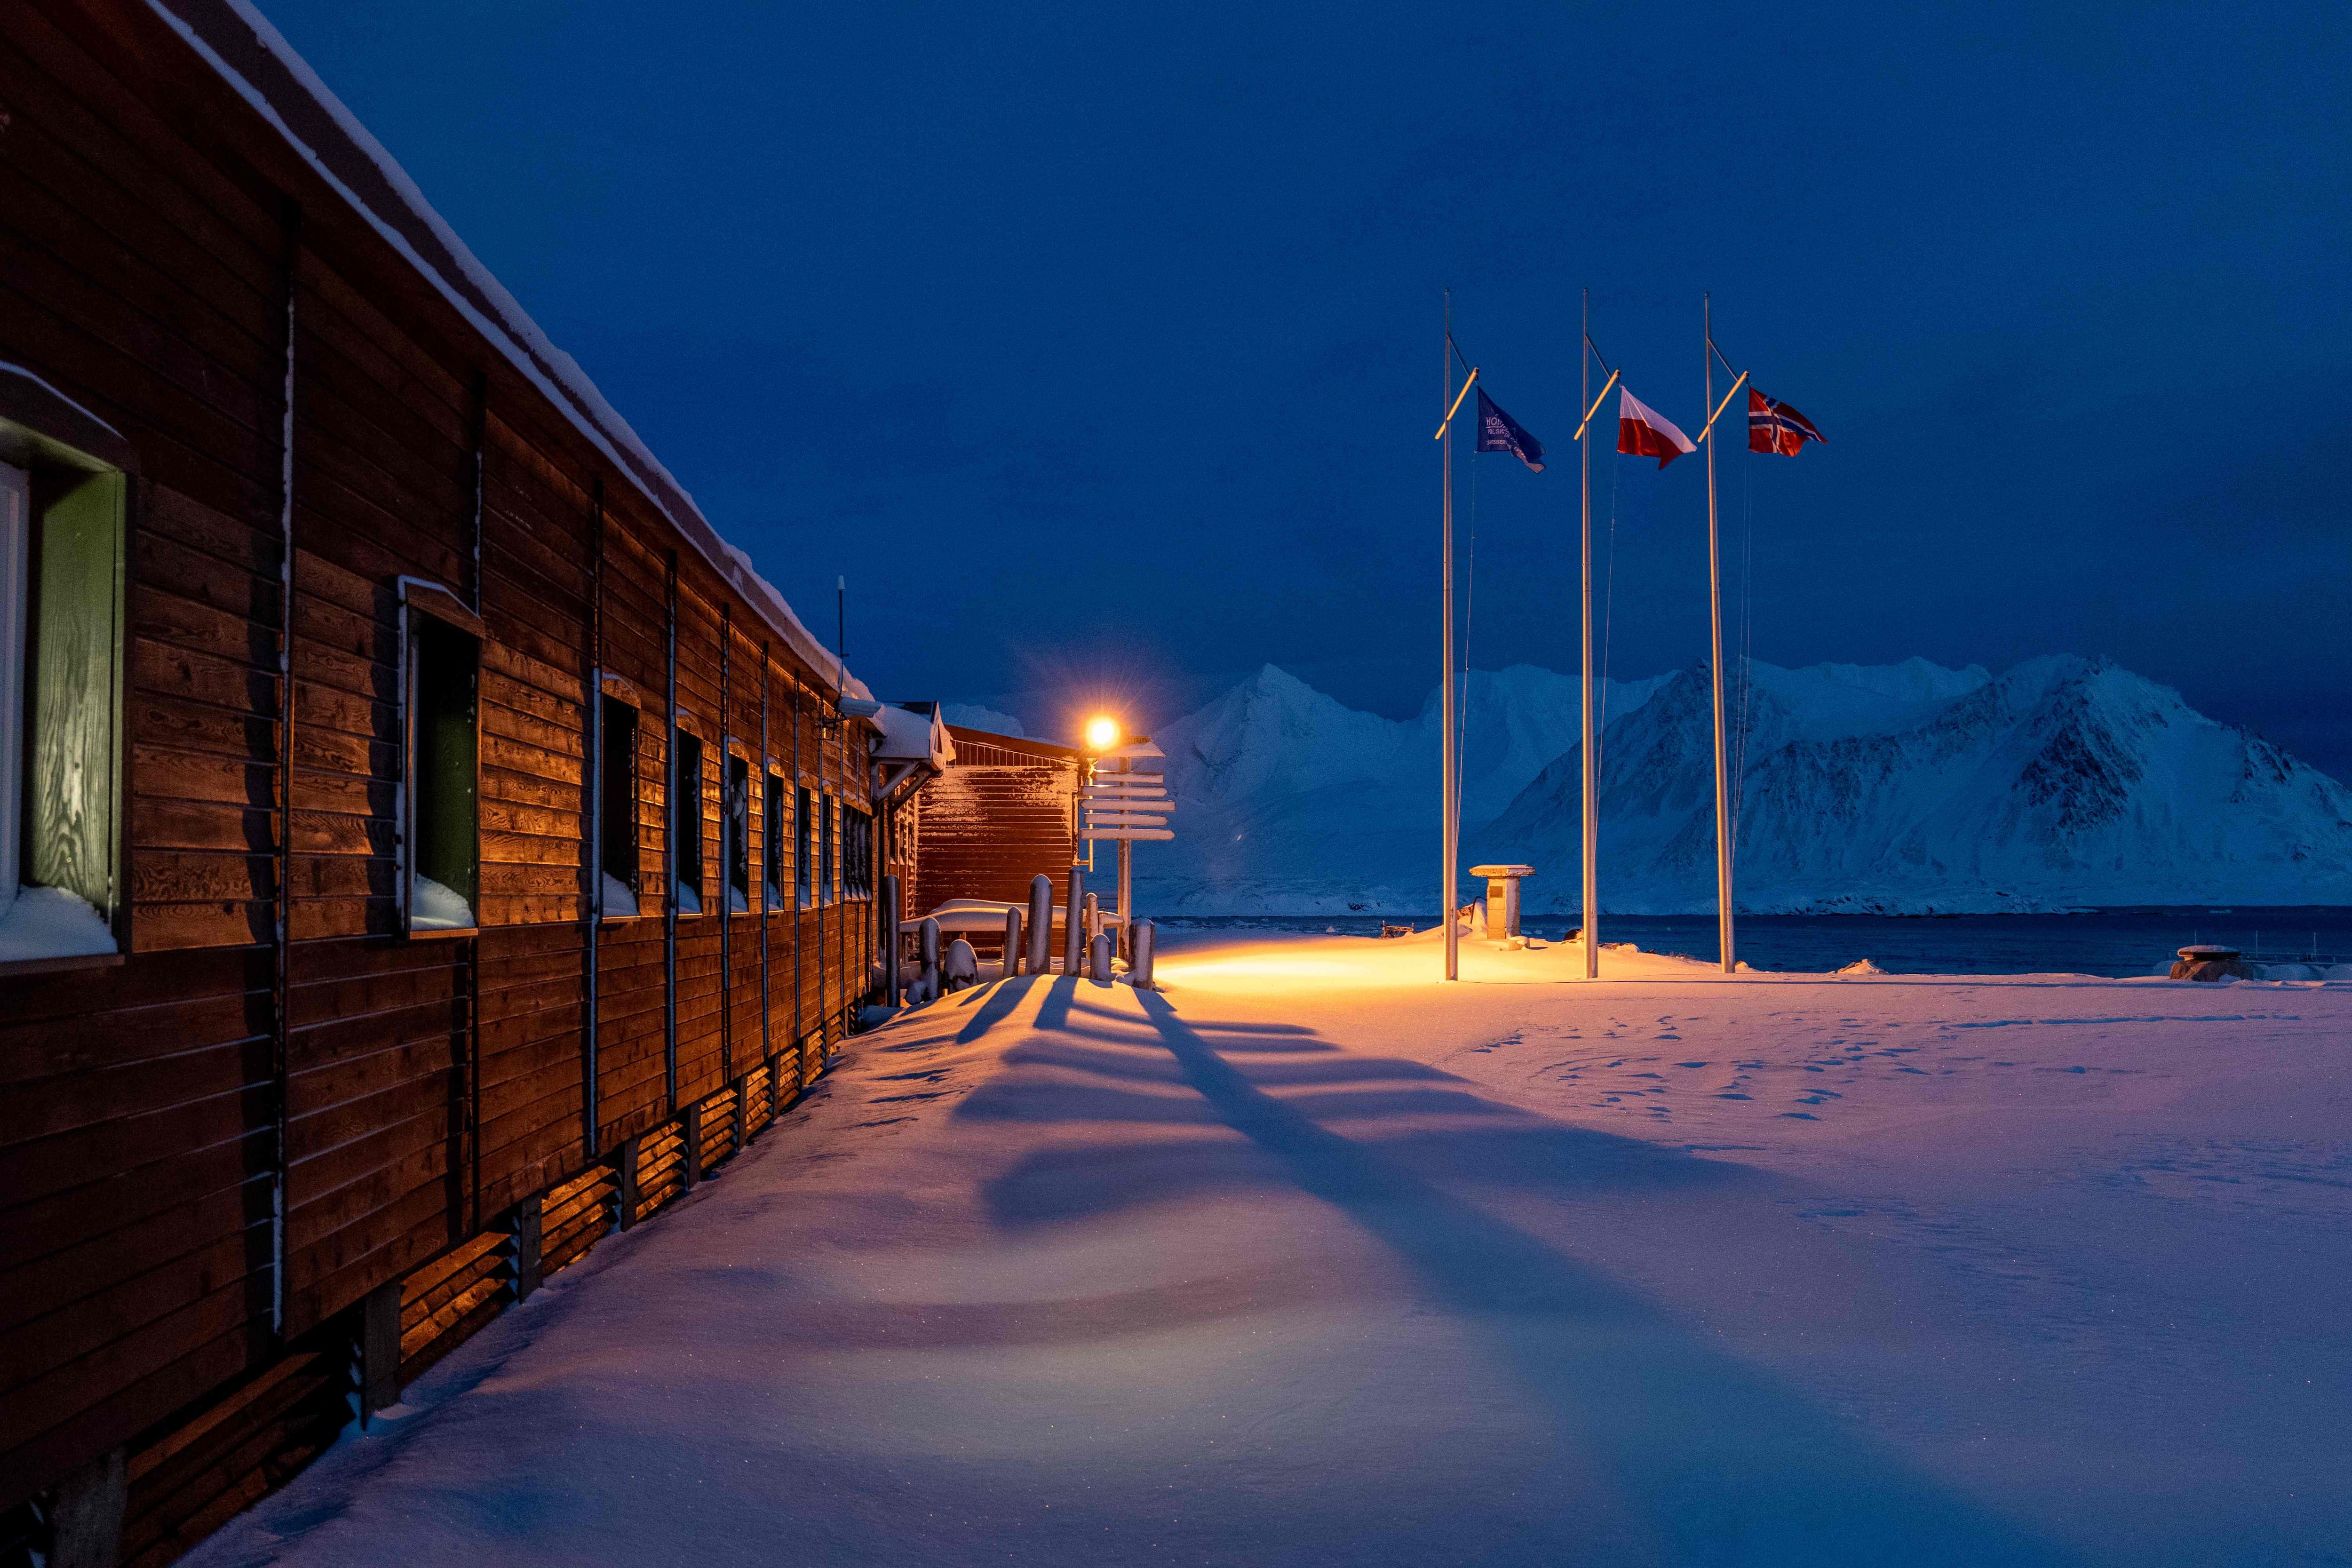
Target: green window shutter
x=73 y=755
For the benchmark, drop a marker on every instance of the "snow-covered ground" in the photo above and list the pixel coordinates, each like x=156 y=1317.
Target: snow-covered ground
x=1309 y=1259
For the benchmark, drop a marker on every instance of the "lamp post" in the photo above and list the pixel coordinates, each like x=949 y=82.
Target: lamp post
x=1103 y=735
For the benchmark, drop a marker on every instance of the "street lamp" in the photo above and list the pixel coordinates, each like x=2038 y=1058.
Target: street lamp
x=1102 y=733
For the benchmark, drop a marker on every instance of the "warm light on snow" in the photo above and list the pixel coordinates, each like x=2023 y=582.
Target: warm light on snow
x=1311 y=1259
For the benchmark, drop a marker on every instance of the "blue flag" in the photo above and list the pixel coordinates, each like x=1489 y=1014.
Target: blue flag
x=1499 y=432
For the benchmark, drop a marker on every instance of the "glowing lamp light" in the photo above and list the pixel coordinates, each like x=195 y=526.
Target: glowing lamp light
x=1102 y=734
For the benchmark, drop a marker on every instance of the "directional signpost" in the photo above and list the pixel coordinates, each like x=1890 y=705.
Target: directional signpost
x=1117 y=805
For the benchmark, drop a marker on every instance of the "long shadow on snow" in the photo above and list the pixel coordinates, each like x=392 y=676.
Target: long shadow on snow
x=1714 y=1461
x=1439 y=1128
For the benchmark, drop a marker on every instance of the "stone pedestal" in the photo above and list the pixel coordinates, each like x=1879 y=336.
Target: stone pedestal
x=1502 y=899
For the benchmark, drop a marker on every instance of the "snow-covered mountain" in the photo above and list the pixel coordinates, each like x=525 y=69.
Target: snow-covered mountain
x=1902 y=788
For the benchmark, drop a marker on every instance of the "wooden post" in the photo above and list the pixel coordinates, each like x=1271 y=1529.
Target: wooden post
x=801 y=842
x=669 y=853
x=892 y=989
x=86 y=1514
x=690 y=1136
x=529 y=1215
x=727 y=847
x=767 y=851
x=282 y=948
x=1073 y=942
x=380 y=1349
x=1012 y=943
x=591 y=787
x=1041 y=924
x=624 y=1194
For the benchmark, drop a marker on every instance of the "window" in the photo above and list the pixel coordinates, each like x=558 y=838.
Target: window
x=686 y=822
x=772 y=841
x=616 y=807
x=826 y=889
x=61 y=533
x=442 y=863
x=804 y=857
x=857 y=853
x=735 y=829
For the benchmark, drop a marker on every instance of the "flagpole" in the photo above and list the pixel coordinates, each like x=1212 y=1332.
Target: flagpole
x=1714 y=664
x=1592 y=805
x=1446 y=844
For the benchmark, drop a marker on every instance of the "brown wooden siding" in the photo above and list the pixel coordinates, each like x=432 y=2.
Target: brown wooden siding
x=1002 y=814
x=432 y=1089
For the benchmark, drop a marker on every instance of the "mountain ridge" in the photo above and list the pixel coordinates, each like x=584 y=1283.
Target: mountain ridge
x=1907 y=788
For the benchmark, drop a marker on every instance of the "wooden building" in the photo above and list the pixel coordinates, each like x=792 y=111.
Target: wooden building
x=1006 y=810
x=426 y=844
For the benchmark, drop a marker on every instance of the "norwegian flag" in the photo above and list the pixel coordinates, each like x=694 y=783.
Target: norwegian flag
x=1774 y=427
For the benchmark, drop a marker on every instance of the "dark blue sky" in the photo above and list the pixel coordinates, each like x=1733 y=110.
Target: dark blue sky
x=1101 y=350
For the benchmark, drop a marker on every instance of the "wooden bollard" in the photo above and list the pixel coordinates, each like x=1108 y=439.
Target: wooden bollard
x=930 y=981
x=1142 y=939
x=1041 y=924
x=1074 y=934
x=1098 y=958
x=1012 y=944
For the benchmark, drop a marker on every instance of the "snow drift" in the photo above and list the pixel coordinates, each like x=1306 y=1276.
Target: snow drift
x=1900 y=789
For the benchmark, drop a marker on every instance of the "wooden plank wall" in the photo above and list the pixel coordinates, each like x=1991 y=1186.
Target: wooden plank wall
x=1002 y=814
x=151 y=227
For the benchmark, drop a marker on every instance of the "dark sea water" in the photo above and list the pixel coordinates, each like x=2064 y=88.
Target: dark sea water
x=2101 y=942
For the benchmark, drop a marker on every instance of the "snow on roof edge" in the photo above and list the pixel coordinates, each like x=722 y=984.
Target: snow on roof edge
x=483 y=300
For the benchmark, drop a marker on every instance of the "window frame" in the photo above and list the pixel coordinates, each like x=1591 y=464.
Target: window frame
x=803 y=850
x=615 y=695
x=734 y=832
x=680 y=737
x=856 y=851
x=774 y=809
x=828 y=863
x=52 y=438
x=435 y=603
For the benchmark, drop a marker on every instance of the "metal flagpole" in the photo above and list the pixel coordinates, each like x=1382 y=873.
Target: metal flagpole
x=1592 y=805
x=1449 y=885
x=1715 y=662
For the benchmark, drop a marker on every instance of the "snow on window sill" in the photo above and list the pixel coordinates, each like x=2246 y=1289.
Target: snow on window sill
x=51 y=928
x=435 y=910
x=619 y=902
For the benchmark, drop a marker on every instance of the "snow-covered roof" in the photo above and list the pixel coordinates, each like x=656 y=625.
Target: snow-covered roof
x=911 y=737
x=239 y=43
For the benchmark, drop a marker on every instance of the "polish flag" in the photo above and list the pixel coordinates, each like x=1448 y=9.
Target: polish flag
x=1645 y=433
